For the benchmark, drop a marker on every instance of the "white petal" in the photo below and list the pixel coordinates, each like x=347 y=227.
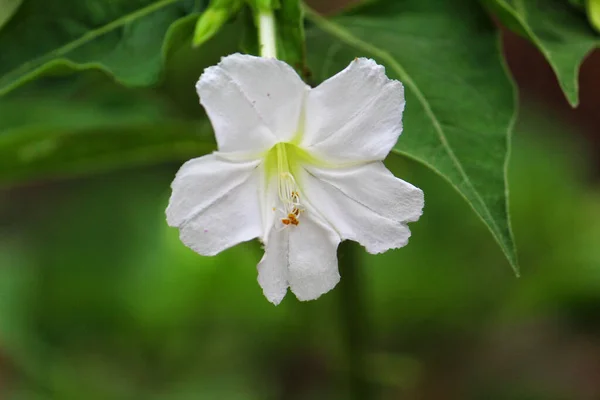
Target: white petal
x=355 y=115
x=303 y=257
x=252 y=102
x=273 y=267
x=365 y=203
x=215 y=203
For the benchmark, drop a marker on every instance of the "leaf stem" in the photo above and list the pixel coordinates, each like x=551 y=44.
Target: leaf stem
x=266 y=34
x=354 y=321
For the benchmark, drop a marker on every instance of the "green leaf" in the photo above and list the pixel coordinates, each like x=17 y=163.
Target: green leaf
x=123 y=38
x=7 y=9
x=63 y=138
x=579 y=4
x=557 y=29
x=460 y=104
x=66 y=127
x=291 y=46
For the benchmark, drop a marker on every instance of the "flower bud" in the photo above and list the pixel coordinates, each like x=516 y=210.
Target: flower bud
x=211 y=20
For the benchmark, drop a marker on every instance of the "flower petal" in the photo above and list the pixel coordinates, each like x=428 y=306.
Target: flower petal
x=273 y=267
x=252 y=102
x=215 y=203
x=303 y=257
x=365 y=203
x=355 y=115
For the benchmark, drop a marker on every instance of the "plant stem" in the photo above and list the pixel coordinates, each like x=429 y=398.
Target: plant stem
x=354 y=320
x=266 y=34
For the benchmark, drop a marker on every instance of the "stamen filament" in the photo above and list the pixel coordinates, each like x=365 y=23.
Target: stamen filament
x=287 y=188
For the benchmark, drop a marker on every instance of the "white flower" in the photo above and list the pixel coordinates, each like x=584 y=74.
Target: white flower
x=298 y=168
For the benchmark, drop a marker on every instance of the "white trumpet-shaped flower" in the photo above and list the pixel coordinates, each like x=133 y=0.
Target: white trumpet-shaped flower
x=299 y=168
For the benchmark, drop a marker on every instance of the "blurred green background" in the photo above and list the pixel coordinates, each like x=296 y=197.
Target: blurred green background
x=100 y=300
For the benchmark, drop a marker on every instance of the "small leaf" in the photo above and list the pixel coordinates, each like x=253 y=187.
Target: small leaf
x=460 y=104
x=123 y=38
x=7 y=9
x=557 y=29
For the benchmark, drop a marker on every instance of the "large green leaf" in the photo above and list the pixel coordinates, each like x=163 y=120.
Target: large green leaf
x=460 y=103
x=559 y=31
x=65 y=127
x=57 y=138
x=123 y=38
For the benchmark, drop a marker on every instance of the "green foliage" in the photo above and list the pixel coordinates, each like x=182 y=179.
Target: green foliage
x=264 y=5
x=593 y=12
x=67 y=127
x=558 y=30
x=7 y=9
x=99 y=135
x=213 y=18
x=289 y=32
x=291 y=45
x=100 y=300
x=460 y=103
x=123 y=38
x=580 y=4
x=592 y=8
x=98 y=297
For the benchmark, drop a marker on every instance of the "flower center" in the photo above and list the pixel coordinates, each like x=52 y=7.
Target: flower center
x=284 y=160
x=287 y=187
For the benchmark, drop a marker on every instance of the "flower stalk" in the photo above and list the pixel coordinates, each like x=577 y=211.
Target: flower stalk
x=354 y=321
x=266 y=34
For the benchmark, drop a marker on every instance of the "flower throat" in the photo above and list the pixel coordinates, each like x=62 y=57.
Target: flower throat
x=282 y=159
